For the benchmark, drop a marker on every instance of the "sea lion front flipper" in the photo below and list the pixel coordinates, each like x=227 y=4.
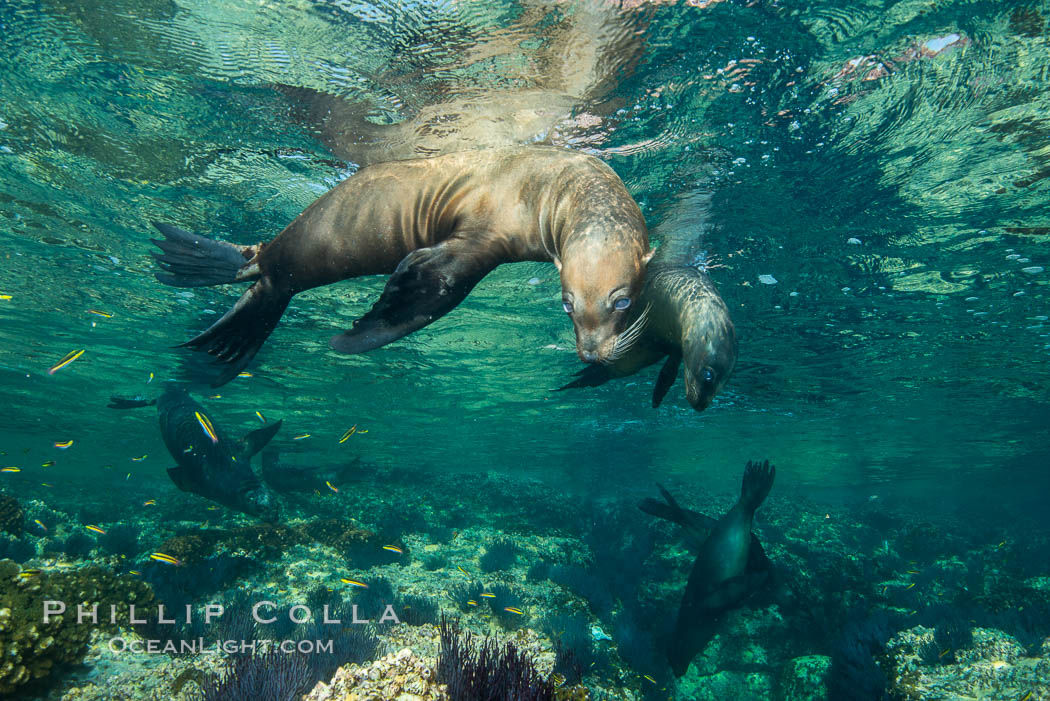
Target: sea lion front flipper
x=666 y=378
x=427 y=284
x=256 y=440
x=180 y=477
x=590 y=376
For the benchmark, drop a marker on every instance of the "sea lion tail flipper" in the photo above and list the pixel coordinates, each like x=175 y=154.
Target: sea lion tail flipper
x=758 y=480
x=666 y=378
x=190 y=260
x=256 y=440
x=590 y=376
x=239 y=334
x=427 y=284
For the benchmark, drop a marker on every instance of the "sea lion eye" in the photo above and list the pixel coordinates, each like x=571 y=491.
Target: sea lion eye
x=567 y=306
x=708 y=375
x=622 y=303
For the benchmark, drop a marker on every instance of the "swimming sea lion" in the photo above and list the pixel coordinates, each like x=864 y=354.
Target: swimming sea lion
x=731 y=564
x=440 y=225
x=214 y=468
x=679 y=316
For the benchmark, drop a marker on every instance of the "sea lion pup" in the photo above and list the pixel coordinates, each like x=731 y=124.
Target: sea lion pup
x=730 y=566
x=439 y=225
x=679 y=316
x=208 y=463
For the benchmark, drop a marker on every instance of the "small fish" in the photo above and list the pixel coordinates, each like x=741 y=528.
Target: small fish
x=10 y=469
x=5 y=297
x=215 y=396
x=150 y=502
x=163 y=557
x=944 y=652
x=913 y=571
x=42 y=484
x=96 y=529
x=909 y=586
x=331 y=487
x=514 y=609
x=62 y=445
x=363 y=430
x=104 y=315
x=127 y=477
x=261 y=417
x=150 y=378
x=353 y=583
x=393 y=549
x=999 y=546
x=29 y=573
x=349 y=432
x=558 y=679
x=213 y=508
x=471 y=602
x=205 y=423
x=244 y=374
x=300 y=437
x=49 y=463
x=135 y=572
x=646 y=676
x=488 y=595
x=188 y=450
x=1026 y=697
x=41 y=524
x=70 y=357
x=462 y=570
x=140 y=459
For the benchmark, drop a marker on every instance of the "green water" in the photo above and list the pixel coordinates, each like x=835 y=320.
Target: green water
x=900 y=355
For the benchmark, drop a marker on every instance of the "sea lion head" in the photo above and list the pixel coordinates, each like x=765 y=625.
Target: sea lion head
x=601 y=280
x=260 y=502
x=709 y=349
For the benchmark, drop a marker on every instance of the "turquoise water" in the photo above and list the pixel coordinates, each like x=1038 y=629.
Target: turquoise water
x=877 y=227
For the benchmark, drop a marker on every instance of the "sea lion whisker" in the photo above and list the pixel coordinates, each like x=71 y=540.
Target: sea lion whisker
x=629 y=337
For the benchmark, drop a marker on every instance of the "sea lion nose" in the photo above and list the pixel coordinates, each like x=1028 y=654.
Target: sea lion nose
x=589 y=356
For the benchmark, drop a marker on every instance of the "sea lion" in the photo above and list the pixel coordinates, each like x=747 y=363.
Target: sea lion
x=679 y=316
x=730 y=566
x=211 y=465
x=284 y=477
x=440 y=225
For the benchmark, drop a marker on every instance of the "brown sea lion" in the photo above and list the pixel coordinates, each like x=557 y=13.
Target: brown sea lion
x=439 y=225
x=679 y=316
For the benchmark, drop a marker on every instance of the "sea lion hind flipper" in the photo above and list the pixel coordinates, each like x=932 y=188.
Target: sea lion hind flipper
x=427 y=284
x=191 y=260
x=239 y=334
x=666 y=378
x=590 y=376
x=256 y=440
x=758 y=480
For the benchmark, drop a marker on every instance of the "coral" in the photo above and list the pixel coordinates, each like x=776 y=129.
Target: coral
x=395 y=676
x=351 y=644
x=274 y=676
x=487 y=671
x=31 y=649
x=12 y=518
x=500 y=555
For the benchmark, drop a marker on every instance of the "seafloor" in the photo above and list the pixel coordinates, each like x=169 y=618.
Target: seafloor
x=867 y=602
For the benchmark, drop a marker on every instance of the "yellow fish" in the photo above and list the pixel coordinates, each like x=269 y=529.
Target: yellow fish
x=134 y=572
x=49 y=463
x=331 y=487
x=462 y=570
x=5 y=296
x=261 y=417
x=104 y=315
x=62 y=445
x=29 y=573
x=140 y=459
x=514 y=609
x=393 y=549
x=205 y=423
x=300 y=436
x=150 y=502
x=471 y=602
x=150 y=378
x=215 y=396
x=96 y=529
x=909 y=586
x=42 y=484
x=244 y=374
x=41 y=524
x=70 y=357
x=646 y=676
x=349 y=432
x=488 y=595
x=162 y=557
x=10 y=469
x=354 y=583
